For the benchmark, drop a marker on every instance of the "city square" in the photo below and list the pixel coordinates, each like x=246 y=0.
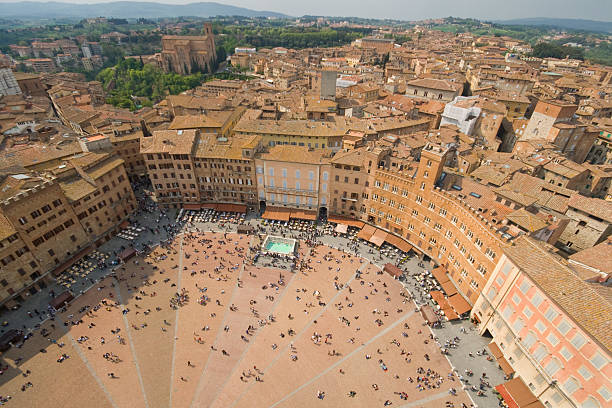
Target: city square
x=206 y=205
x=196 y=323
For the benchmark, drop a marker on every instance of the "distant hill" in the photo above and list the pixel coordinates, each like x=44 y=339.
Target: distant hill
x=125 y=9
x=566 y=23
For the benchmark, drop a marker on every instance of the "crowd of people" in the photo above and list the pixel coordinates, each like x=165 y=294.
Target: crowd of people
x=198 y=245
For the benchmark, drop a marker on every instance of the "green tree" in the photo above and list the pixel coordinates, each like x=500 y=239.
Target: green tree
x=552 y=50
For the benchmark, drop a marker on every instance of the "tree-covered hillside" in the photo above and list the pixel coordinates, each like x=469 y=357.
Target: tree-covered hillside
x=131 y=84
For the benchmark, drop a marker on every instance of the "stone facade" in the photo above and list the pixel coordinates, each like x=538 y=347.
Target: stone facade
x=104 y=198
x=350 y=184
x=587 y=226
x=186 y=167
x=126 y=144
x=436 y=89
x=47 y=224
x=545 y=115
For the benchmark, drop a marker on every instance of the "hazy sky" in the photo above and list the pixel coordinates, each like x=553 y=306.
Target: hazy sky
x=420 y=9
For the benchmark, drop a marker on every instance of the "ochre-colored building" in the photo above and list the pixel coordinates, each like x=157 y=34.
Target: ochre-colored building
x=293 y=176
x=41 y=232
x=49 y=222
x=187 y=168
x=404 y=198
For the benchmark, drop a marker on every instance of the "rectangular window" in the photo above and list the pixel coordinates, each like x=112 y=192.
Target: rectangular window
x=564 y=327
x=551 y=314
x=525 y=286
x=605 y=393
x=585 y=373
x=567 y=355
x=536 y=300
x=598 y=361
x=529 y=340
x=552 y=339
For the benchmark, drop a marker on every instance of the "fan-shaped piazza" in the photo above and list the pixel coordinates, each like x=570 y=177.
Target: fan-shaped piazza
x=196 y=324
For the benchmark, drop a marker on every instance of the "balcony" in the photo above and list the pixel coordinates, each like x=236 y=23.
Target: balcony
x=293 y=191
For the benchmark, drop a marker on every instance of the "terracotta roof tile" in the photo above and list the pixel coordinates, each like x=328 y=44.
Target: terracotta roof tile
x=296 y=154
x=593 y=206
x=169 y=141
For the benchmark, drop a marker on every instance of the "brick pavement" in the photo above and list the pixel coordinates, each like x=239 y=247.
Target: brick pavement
x=153 y=371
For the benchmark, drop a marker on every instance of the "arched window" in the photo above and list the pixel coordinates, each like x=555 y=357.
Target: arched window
x=553 y=366
x=591 y=402
x=540 y=353
x=571 y=385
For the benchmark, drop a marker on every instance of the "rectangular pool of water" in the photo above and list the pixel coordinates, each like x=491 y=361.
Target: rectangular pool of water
x=279 y=245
